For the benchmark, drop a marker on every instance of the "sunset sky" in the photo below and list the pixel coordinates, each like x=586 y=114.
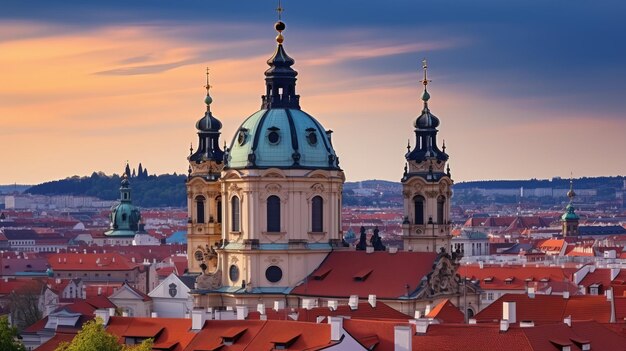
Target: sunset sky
x=523 y=89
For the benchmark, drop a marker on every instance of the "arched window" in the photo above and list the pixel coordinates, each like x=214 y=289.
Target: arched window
x=273 y=214
x=234 y=211
x=124 y=217
x=317 y=214
x=441 y=204
x=200 y=209
x=218 y=202
x=418 y=203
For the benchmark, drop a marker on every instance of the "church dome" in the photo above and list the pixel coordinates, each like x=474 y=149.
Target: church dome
x=281 y=138
x=426 y=120
x=208 y=123
x=281 y=135
x=124 y=216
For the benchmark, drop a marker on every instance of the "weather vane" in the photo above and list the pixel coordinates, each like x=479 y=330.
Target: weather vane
x=279 y=10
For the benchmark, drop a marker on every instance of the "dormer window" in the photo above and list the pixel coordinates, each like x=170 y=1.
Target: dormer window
x=311 y=136
x=273 y=135
x=242 y=136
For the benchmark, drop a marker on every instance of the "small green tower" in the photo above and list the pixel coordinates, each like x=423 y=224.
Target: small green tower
x=124 y=216
x=570 y=219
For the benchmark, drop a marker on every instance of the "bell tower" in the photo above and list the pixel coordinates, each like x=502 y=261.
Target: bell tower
x=569 y=219
x=426 y=185
x=204 y=201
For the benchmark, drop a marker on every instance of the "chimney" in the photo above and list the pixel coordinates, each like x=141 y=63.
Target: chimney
x=113 y=259
x=336 y=328
x=504 y=326
x=260 y=308
x=531 y=292
x=418 y=314
x=242 y=312
x=481 y=265
x=421 y=325
x=472 y=321
x=125 y=314
x=526 y=324
x=103 y=314
x=369 y=249
x=427 y=310
x=197 y=318
x=132 y=259
x=279 y=305
x=99 y=290
x=154 y=315
x=372 y=300
x=566 y=295
x=402 y=338
x=332 y=305
x=568 y=320
x=353 y=302
x=509 y=312
x=609 y=294
x=319 y=319
x=393 y=249
x=112 y=311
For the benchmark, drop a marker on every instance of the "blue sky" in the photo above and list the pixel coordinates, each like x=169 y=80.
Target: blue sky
x=537 y=86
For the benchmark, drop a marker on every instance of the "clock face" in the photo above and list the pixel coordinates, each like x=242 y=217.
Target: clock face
x=199 y=255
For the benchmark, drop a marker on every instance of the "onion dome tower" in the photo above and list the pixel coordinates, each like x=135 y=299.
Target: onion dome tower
x=569 y=219
x=204 y=200
x=281 y=187
x=124 y=216
x=426 y=184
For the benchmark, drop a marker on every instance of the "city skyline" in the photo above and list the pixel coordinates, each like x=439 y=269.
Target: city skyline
x=521 y=91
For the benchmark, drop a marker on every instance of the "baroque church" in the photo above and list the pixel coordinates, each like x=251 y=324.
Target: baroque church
x=265 y=212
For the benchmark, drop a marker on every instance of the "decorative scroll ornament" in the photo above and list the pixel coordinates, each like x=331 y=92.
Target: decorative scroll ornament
x=444 y=279
x=211 y=277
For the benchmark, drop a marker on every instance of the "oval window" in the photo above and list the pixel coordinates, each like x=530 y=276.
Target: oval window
x=311 y=136
x=233 y=273
x=273 y=274
x=242 y=137
x=273 y=137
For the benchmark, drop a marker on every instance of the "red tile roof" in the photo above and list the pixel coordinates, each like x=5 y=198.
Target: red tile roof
x=90 y=262
x=531 y=275
x=389 y=277
x=364 y=311
x=447 y=312
x=550 y=308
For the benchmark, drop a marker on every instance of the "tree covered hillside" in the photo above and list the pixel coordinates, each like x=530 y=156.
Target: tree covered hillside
x=165 y=190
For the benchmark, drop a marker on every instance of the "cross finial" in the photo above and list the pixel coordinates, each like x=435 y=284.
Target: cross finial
x=207 y=86
x=190 y=148
x=279 y=10
x=444 y=145
x=425 y=81
x=408 y=145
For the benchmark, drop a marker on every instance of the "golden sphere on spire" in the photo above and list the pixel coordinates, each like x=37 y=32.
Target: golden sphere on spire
x=280 y=38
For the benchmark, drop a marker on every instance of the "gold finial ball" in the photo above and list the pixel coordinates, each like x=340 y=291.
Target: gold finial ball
x=280 y=38
x=571 y=194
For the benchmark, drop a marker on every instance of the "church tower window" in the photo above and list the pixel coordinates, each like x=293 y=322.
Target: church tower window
x=317 y=214
x=441 y=204
x=234 y=210
x=273 y=214
x=218 y=202
x=200 y=209
x=418 y=202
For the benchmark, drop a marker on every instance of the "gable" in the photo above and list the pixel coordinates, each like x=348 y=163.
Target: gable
x=171 y=282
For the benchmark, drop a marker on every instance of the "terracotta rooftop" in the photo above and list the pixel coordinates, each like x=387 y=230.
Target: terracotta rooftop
x=447 y=312
x=550 y=308
x=389 y=274
x=90 y=262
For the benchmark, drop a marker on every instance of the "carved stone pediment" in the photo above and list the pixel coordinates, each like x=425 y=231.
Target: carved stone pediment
x=210 y=281
x=444 y=279
x=273 y=188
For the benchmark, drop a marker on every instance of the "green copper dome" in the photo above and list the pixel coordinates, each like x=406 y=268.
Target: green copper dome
x=281 y=138
x=570 y=214
x=124 y=216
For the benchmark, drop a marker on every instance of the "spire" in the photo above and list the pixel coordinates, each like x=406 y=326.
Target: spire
x=208 y=132
x=426 y=129
x=571 y=194
x=208 y=99
x=280 y=78
x=125 y=186
x=425 y=81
